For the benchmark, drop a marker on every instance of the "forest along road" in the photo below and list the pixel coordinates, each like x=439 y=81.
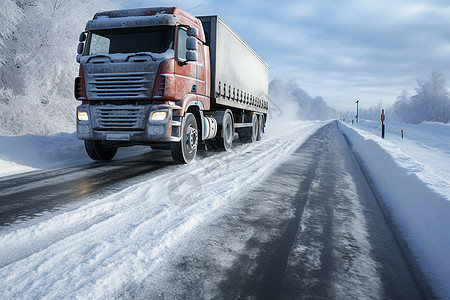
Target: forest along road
x=290 y=217
x=312 y=230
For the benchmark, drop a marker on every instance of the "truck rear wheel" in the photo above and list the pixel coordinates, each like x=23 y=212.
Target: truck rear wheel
x=250 y=134
x=98 y=151
x=260 y=130
x=225 y=140
x=184 y=151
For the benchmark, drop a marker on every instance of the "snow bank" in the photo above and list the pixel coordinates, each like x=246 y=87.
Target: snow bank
x=427 y=145
x=419 y=205
x=29 y=152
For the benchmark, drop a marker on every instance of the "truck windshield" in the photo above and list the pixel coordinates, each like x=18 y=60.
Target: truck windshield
x=155 y=39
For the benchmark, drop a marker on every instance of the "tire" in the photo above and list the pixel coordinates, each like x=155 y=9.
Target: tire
x=260 y=127
x=184 y=151
x=98 y=151
x=225 y=141
x=250 y=134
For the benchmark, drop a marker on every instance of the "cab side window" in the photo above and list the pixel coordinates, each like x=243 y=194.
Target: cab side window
x=181 y=45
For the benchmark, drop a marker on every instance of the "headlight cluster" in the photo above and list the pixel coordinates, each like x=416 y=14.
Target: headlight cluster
x=159 y=115
x=83 y=116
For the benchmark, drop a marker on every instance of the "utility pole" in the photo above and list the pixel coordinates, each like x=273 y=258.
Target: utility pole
x=357 y=116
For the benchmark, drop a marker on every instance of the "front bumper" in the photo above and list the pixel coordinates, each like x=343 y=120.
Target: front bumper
x=128 y=124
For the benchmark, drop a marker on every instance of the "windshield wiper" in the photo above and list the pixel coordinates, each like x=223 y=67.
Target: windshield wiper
x=140 y=54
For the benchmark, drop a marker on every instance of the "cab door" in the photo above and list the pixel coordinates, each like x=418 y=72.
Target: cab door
x=185 y=71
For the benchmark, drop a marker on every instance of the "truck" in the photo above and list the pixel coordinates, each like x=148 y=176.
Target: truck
x=164 y=78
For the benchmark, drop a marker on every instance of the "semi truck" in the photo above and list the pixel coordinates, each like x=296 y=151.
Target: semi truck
x=164 y=78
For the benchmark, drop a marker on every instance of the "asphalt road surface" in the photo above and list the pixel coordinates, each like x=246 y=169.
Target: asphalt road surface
x=338 y=244
x=314 y=229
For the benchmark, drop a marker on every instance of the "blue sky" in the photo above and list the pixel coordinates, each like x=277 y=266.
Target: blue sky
x=343 y=50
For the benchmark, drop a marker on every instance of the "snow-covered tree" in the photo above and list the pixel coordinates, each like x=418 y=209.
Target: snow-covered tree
x=431 y=102
x=296 y=104
x=39 y=44
x=10 y=14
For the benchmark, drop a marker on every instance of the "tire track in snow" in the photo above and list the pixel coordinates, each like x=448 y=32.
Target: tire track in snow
x=98 y=248
x=343 y=246
x=35 y=193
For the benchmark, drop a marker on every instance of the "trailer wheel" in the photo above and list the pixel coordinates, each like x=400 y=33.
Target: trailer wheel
x=225 y=141
x=250 y=134
x=184 y=151
x=98 y=151
x=260 y=130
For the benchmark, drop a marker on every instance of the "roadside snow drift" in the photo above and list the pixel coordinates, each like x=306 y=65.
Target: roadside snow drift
x=29 y=152
x=412 y=177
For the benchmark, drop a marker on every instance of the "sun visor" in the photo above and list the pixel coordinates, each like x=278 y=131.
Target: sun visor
x=103 y=22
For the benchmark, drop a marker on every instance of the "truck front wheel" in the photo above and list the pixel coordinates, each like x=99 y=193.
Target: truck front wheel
x=184 y=151
x=98 y=151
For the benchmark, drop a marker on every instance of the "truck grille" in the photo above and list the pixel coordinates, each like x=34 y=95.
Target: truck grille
x=119 y=86
x=127 y=117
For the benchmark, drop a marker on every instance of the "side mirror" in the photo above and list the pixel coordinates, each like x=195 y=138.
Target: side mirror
x=80 y=48
x=82 y=37
x=191 y=55
x=191 y=43
x=192 y=31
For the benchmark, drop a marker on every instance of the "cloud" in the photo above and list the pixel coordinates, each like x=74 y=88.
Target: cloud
x=341 y=50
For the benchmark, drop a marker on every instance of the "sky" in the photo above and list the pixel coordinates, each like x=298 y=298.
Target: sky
x=347 y=50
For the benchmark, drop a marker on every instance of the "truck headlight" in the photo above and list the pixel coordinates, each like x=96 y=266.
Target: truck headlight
x=83 y=116
x=159 y=115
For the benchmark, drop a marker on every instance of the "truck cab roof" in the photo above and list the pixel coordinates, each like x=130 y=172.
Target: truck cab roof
x=139 y=17
x=151 y=11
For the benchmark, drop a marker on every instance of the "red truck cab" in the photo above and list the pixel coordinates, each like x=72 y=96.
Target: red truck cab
x=145 y=79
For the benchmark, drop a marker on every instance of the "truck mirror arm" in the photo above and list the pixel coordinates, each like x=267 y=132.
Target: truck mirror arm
x=182 y=61
x=82 y=37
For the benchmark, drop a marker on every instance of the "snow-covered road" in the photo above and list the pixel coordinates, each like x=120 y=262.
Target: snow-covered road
x=295 y=205
x=97 y=247
x=311 y=230
x=34 y=193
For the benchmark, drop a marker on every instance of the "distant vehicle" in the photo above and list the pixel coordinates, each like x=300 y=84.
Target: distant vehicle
x=164 y=78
